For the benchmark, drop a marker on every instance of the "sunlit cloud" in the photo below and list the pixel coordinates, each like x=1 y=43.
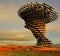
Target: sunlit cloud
x=20 y=35
x=53 y=27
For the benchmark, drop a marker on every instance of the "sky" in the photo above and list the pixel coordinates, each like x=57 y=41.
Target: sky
x=12 y=26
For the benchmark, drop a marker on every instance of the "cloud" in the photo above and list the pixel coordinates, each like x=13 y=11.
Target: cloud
x=9 y=17
x=20 y=35
x=54 y=26
x=10 y=42
x=8 y=11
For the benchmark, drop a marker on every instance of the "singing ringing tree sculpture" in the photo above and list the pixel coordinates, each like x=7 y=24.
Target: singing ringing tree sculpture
x=36 y=15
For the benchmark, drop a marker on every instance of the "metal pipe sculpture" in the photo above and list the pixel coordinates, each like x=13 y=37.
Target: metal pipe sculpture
x=36 y=15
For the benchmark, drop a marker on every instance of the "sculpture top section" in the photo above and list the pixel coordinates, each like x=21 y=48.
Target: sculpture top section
x=37 y=11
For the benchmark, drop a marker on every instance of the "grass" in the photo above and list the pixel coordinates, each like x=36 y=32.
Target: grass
x=23 y=53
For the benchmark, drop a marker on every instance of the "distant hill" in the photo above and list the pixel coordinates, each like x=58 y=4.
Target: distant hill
x=57 y=45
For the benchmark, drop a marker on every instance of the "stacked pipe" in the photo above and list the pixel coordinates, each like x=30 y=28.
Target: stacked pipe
x=38 y=29
x=36 y=15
